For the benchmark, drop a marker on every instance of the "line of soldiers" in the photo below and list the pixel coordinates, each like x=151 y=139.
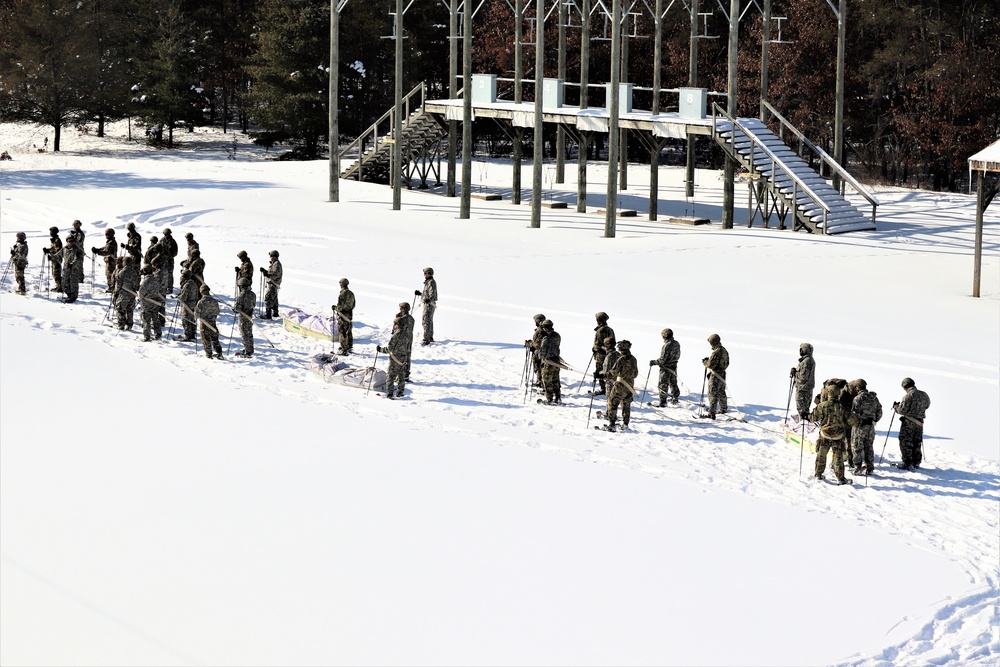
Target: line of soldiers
x=847 y=413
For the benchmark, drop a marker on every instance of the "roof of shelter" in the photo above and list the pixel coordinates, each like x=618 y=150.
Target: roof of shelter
x=987 y=159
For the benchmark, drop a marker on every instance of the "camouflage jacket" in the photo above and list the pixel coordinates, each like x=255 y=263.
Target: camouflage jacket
x=670 y=353
x=72 y=257
x=126 y=278
x=245 y=302
x=169 y=246
x=609 y=362
x=805 y=373
x=624 y=371
x=831 y=418
x=430 y=293
x=345 y=303
x=109 y=252
x=19 y=253
x=197 y=269
x=192 y=246
x=152 y=252
x=549 y=348
x=274 y=273
x=133 y=242
x=406 y=325
x=246 y=270
x=536 y=339
x=914 y=405
x=151 y=292
x=718 y=361
x=55 y=245
x=207 y=309
x=601 y=332
x=189 y=293
x=78 y=237
x=399 y=346
x=866 y=409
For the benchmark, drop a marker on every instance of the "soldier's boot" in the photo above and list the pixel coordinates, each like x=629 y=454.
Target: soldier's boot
x=662 y=403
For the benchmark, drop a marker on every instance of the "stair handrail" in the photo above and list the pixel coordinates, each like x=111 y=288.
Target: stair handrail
x=825 y=158
x=373 y=129
x=775 y=160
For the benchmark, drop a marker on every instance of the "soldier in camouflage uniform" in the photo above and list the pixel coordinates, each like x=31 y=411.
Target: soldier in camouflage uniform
x=244 y=305
x=78 y=236
x=272 y=278
x=428 y=299
x=19 y=258
x=133 y=245
x=196 y=265
x=160 y=274
x=399 y=352
x=533 y=345
x=911 y=411
x=192 y=245
x=126 y=289
x=152 y=251
x=865 y=411
x=245 y=269
x=407 y=325
x=622 y=376
x=188 y=297
x=110 y=254
x=610 y=357
x=832 y=424
x=716 y=364
x=804 y=376
x=548 y=353
x=55 y=247
x=150 y=303
x=169 y=253
x=601 y=331
x=345 y=317
x=670 y=354
x=207 y=312
x=72 y=269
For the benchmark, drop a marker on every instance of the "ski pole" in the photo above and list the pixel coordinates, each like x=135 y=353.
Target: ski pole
x=249 y=319
x=374 y=368
x=584 y=376
x=38 y=288
x=643 y=397
x=701 y=403
x=531 y=383
x=886 y=438
x=93 y=265
x=524 y=370
x=107 y=313
x=788 y=406
x=593 y=387
x=6 y=270
x=802 y=446
x=260 y=299
x=231 y=332
x=173 y=317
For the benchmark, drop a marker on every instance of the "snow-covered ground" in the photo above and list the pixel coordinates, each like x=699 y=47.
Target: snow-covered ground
x=157 y=507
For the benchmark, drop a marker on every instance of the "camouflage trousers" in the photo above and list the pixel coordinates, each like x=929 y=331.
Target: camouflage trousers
x=151 y=327
x=168 y=275
x=823 y=447
x=19 y=277
x=71 y=286
x=57 y=275
x=246 y=332
x=599 y=358
x=345 y=328
x=109 y=274
x=667 y=384
x=188 y=320
x=717 y=392
x=537 y=363
x=210 y=339
x=550 y=382
x=863 y=446
x=427 y=320
x=395 y=380
x=804 y=401
x=271 y=300
x=619 y=395
x=911 y=439
x=125 y=307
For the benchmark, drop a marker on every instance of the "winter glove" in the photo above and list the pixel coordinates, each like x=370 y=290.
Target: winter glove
x=598 y=375
x=527 y=343
x=704 y=361
x=236 y=269
x=13 y=252
x=416 y=292
x=263 y=270
x=895 y=406
x=791 y=373
x=93 y=249
x=652 y=362
x=380 y=349
x=46 y=251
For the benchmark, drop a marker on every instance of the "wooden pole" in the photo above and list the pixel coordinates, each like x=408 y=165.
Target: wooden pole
x=693 y=83
x=729 y=193
x=611 y=202
x=536 y=178
x=581 y=158
x=465 y=201
x=334 y=121
x=452 y=94
x=397 y=116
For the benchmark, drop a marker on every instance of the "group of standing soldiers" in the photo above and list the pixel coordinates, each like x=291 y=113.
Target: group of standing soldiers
x=847 y=413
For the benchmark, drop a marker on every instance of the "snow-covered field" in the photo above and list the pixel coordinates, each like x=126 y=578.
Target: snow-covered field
x=157 y=507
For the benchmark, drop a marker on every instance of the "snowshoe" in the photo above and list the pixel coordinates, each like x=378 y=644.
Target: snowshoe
x=606 y=427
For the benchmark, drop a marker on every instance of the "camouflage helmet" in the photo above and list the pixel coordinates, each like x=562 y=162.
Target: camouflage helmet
x=195 y=253
x=538 y=319
x=166 y=231
x=21 y=236
x=714 y=339
x=244 y=281
x=153 y=240
x=109 y=232
x=204 y=289
x=242 y=254
x=404 y=306
x=130 y=225
x=428 y=271
x=344 y=282
x=129 y=260
x=77 y=224
x=805 y=348
x=908 y=382
x=146 y=270
x=189 y=236
x=609 y=341
x=185 y=274
x=858 y=385
x=546 y=324
x=54 y=231
x=601 y=316
x=624 y=345
x=273 y=253
x=667 y=333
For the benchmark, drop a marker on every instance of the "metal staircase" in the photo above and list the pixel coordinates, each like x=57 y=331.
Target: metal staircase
x=782 y=181
x=369 y=157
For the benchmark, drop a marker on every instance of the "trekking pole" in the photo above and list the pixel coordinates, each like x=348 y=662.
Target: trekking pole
x=701 y=402
x=6 y=270
x=231 y=332
x=802 y=446
x=524 y=370
x=250 y=319
x=788 y=406
x=530 y=383
x=584 y=376
x=374 y=367
x=39 y=284
x=173 y=317
x=93 y=268
x=107 y=313
x=593 y=387
x=886 y=437
x=648 y=373
x=260 y=299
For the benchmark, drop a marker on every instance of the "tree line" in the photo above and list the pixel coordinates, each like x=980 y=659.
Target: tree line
x=922 y=84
